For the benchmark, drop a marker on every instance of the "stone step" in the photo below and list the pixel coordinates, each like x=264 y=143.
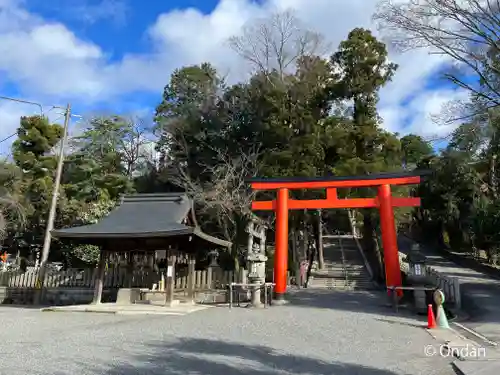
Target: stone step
x=348 y=267
x=340 y=273
x=364 y=284
x=330 y=249
x=343 y=287
x=341 y=282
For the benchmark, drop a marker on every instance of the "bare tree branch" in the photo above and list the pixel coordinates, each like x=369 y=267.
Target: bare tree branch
x=275 y=44
x=467 y=31
x=227 y=196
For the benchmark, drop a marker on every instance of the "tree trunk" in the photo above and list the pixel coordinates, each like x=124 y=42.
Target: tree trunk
x=319 y=241
x=296 y=258
x=310 y=258
x=370 y=245
x=305 y=241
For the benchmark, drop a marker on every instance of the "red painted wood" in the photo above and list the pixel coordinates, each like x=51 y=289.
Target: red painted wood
x=294 y=204
x=281 y=243
x=334 y=184
x=389 y=238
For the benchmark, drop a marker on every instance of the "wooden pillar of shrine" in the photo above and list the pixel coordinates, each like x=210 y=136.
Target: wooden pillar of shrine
x=191 y=278
x=170 y=280
x=99 y=282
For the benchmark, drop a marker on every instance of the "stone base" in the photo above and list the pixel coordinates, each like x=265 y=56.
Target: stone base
x=279 y=299
x=175 y=302
x=280 y=302
x=127 y=296
x=256 y=306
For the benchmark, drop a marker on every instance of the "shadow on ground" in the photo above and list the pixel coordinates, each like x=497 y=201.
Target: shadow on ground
x=368 y=302
x=210 y=357
x=481 y=302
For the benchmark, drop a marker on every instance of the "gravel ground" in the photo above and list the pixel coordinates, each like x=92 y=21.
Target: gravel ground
x=320 y=333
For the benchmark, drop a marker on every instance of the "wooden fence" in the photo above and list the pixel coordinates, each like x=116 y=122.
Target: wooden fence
x=114 y=278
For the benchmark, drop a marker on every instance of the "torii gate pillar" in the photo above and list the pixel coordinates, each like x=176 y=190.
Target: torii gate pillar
x=389 y=237
x=281 y=245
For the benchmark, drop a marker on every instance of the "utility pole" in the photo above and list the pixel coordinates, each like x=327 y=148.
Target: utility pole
x=53 y=207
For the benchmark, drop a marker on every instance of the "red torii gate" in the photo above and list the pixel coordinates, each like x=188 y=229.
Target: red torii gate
x=384 y=202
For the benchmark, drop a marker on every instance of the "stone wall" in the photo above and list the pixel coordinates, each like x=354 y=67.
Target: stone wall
x=53 y=296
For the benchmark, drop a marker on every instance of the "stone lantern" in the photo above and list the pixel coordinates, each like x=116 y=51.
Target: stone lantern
x=257 y=275
x=256 y=260
x=213 y=255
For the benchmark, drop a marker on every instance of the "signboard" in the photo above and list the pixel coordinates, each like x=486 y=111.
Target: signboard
x=170 y=271
x=418 y=270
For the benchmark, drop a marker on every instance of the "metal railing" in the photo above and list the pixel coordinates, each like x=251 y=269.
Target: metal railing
x=264 y=286
x=344 y=267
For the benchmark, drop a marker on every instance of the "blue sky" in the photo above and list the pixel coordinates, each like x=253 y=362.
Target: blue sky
x=117 y=55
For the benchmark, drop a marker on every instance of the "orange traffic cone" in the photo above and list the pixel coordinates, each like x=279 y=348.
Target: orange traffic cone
x=431 y=320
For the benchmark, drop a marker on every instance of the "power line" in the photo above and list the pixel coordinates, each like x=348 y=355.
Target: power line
x=7 y=138
x=23 y=101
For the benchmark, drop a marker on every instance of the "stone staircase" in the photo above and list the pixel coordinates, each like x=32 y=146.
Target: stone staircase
x=344 y=267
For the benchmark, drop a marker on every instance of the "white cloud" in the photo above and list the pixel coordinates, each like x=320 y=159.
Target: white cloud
x=9 y=120
x=421 y=113
x=46 y=60
x=115 y=11
x=425 y=107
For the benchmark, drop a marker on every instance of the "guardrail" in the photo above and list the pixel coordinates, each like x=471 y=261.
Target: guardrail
x=360 y=248
x=266 y=286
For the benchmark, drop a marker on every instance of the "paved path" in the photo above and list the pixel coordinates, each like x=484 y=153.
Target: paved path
x=319 y=334
x=480 y=293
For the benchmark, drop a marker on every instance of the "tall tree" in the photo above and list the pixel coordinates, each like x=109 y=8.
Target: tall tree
x=289 y=80
x=361 y=68
x=12 y=211
x=199 y=140
x=104 y=158
x=415 y=149
x=33 y=154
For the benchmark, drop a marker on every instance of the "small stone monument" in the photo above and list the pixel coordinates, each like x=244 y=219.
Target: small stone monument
x=213 y=255
x=417 y=276
x=256 y=258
